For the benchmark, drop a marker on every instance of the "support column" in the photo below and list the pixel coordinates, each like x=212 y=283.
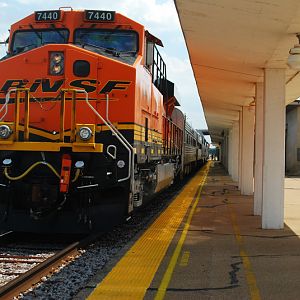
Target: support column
x=259 y=141
x=235 y=151
x=230 y=156
x=225 y=150
x=240 y=149
x=247 y=151
x=274 y=149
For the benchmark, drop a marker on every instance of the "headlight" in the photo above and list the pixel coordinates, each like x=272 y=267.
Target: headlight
x=79 y=164
x=58 y=57
x=56 y=69
x=85 y=133
x=5 y=132
x=7 y=162
x=56 y=63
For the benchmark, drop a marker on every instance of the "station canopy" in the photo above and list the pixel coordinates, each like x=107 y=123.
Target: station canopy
x=230 y=43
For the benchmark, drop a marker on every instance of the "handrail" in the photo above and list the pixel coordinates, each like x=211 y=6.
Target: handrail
x=124 y=139
x=159 y=72
x=62 y=115
x=7 y=98
x=18 y=92
x=115 y=132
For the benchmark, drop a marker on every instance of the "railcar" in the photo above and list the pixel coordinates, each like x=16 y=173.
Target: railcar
x=89 y=131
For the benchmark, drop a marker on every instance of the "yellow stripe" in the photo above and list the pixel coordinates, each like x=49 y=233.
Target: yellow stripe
x=42 y=133
x=251 y=280
x=139 y=130
x=168 y=274
x=133 y=274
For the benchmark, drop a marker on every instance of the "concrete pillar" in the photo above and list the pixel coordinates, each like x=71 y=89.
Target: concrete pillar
x=235 y=151
x=230 y=147
x=221 y=151
x=225 y=150
x=247 y=150
x=224 y=147
x=259 y=142
x=292 y=140
x=240 y=149
x=273 y=149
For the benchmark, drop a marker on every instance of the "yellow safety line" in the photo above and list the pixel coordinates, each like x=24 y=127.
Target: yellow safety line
x=133 y=274
x=251 y=280
x=169 y=272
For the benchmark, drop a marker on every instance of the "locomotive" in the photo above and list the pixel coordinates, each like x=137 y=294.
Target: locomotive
x=89 y=128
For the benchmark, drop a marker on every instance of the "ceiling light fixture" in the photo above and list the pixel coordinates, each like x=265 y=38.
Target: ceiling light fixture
x=294 y=57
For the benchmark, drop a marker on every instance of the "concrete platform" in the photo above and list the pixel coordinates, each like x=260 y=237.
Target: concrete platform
x=219 y=251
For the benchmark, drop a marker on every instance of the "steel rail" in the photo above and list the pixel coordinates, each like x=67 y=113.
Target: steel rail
x=33 y=276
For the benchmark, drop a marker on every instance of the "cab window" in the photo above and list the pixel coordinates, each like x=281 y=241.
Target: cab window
x=118 y=40
x=117 y=44
x=27 y=40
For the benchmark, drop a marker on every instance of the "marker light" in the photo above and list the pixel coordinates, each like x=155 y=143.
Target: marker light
x=5 y=131
x=56 y=63
x=85 y=133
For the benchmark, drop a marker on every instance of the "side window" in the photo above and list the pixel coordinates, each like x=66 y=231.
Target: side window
x=149 y=48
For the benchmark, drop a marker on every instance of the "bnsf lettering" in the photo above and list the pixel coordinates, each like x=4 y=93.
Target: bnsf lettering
x=85 y=84
x=14 y=83
x=35 y=85
x=115 y=85
x=46 y=86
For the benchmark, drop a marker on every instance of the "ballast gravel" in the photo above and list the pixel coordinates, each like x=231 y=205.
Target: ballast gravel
x=14 y=262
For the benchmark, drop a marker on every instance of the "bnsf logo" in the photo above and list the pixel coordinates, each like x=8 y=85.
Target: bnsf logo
x=47 y=87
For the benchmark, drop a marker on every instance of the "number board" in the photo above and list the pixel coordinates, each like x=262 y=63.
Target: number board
x=99 y=16
x=47 y=15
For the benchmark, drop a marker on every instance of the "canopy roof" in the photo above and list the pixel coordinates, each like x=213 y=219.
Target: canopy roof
x=230 y=43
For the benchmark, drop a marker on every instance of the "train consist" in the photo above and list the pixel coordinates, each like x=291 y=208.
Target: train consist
x=89 y=130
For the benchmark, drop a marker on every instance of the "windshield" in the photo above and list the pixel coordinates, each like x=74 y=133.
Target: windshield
x=26 y=40
x=118 y=40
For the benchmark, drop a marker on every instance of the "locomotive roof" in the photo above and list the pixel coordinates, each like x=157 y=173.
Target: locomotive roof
x=79 y=16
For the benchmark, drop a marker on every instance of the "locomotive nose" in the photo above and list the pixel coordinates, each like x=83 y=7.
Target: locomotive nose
x=47 y=70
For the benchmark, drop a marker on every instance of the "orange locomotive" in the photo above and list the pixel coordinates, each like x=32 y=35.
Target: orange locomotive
x=85 y=122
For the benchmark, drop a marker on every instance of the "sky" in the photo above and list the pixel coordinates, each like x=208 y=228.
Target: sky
x=158 y=16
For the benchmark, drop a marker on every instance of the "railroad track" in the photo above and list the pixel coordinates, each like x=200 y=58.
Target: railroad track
x=20 y=272
x=25 y=282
